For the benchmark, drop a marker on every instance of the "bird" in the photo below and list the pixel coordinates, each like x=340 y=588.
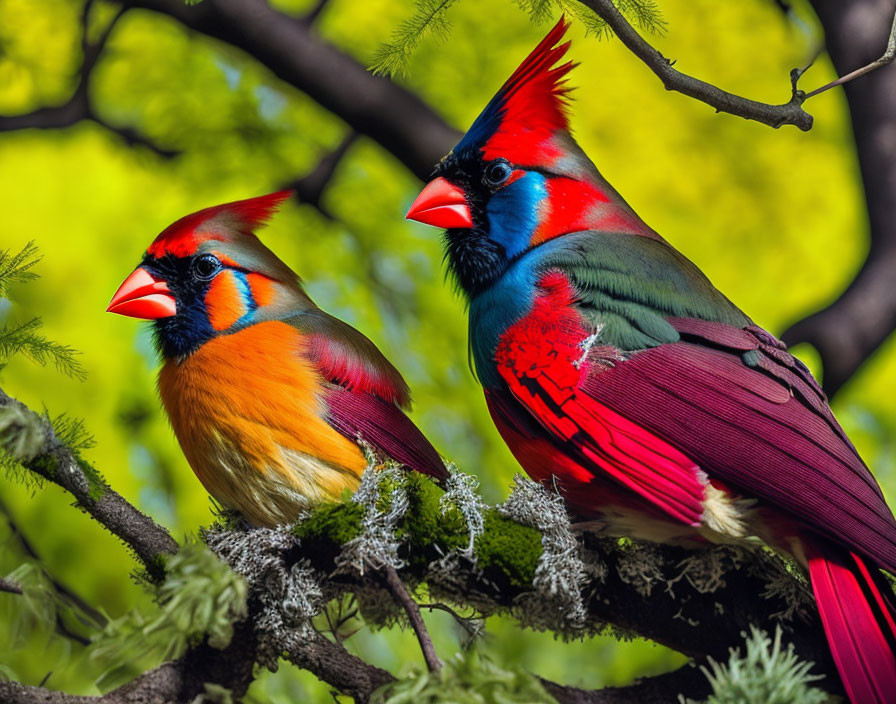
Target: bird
x=618 y=374
x=272 y=400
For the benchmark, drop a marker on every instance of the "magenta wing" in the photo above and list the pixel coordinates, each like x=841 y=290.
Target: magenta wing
x=737 y=403
x=366 y=394
x=382 y=424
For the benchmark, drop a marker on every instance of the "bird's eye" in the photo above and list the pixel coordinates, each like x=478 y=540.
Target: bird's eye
x=496 y=173
x=206 y=266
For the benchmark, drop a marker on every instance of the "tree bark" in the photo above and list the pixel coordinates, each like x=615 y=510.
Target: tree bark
x=371 y=105
x=849 y=330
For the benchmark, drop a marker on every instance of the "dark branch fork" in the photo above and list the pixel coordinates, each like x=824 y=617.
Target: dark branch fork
x=789 y=113
x=848 y=331
x=79 y=107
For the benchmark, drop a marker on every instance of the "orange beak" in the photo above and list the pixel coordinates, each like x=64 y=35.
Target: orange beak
x=441 y=204
x=143 y=296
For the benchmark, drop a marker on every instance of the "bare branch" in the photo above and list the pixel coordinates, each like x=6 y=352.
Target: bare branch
x=9 y=587
x=178 y=682
x=789 y=113
x=79 y=107
x=56 y=463
x=401 y=595
x=333 y=664
x=310 y=17
x=886 y=58
x=687 y=681
x=310 y=188
x=373 y=106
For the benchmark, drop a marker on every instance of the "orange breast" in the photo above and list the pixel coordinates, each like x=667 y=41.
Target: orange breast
x=246 y=410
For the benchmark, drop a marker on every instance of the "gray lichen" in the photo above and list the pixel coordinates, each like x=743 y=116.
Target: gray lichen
x=561 y=574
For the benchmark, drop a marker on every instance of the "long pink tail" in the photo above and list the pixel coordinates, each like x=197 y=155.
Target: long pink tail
x=859 y=619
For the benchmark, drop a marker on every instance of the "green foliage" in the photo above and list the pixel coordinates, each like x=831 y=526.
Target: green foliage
x=765 y=674
x=428 y=19
x=25 y=338
x=201 y=598
x=33 y=612
x=643 y=14
x=509 y=547
x=16 y=268
x=466 y=678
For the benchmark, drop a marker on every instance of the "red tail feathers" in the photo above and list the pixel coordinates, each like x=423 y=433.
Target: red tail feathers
x=859 y=620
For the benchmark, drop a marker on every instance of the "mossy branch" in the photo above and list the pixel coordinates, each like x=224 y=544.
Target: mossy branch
x=30 y=441
x=520 y=558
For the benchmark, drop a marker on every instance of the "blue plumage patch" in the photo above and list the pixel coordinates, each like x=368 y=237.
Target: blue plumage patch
x=513 y=213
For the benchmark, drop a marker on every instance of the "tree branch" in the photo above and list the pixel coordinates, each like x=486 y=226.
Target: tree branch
x=789 y=113
x=887 y=58
x=53 y=461
x=849 y=330
x=669 y=608
x=333 y=664
x=180 y=681
x=79 y=107
x=371 y=105
x=401 y=595
x=687 y=681
x=310 y=188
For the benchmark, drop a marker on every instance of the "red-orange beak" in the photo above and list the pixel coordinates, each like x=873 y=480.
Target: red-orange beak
x=441 y=204
x=143 y=296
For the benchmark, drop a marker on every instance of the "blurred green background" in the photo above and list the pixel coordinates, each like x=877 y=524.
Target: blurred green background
x=775 y=218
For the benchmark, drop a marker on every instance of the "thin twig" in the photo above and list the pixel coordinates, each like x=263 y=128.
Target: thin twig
x=309 y=189
x=789 y=113
x=396 y=586
x=9 y=587
x=884 y=60
x=89 y=615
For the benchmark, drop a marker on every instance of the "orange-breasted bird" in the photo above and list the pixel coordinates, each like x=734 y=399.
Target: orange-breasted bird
x=268 y=395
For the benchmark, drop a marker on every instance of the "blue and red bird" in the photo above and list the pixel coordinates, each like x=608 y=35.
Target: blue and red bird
x=616 y=371
x=269 y=396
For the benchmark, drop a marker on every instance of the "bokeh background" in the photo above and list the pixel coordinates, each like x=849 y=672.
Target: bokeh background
x=775 y=217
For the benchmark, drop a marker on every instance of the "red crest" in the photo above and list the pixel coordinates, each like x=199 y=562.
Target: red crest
x=221 y=222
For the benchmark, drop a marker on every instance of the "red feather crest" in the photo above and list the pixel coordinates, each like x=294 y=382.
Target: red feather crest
x=530 y=107
x=224 y=222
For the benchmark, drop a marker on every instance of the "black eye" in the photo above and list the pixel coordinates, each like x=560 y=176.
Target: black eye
x=496 y=173
x=206 y=266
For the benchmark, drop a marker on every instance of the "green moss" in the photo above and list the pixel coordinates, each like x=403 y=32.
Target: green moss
x=337 y=523
x=425 y=526
x=509 y=547
x=97 y=486
x=45 y=466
